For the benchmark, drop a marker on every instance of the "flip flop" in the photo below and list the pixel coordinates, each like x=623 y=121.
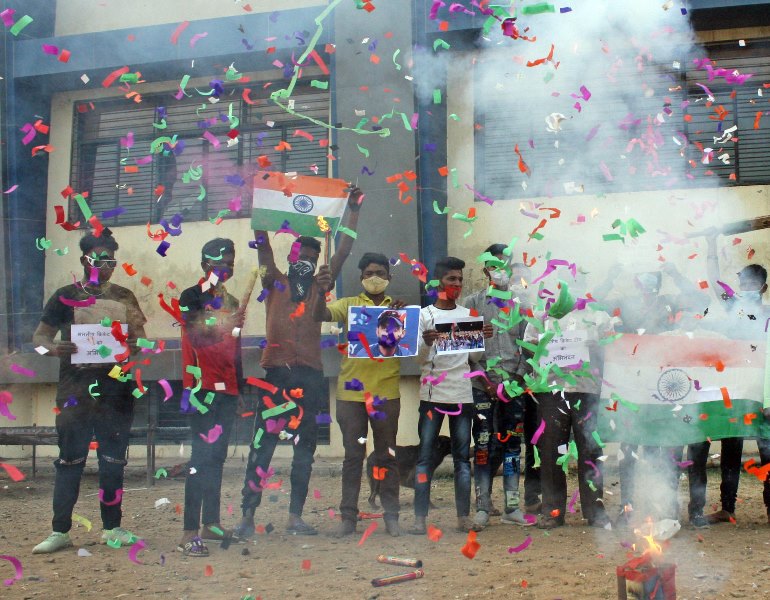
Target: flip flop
x=194 y=548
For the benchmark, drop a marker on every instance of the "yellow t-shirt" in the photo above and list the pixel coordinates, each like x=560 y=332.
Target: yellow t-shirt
x=379 y=378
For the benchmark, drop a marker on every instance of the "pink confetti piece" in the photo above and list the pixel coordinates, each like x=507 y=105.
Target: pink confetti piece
x=696 y=383
x=538 y=432
x=11 y=189
x=78 y=303
x=166 y=388
x=144 y=160
x=708 y=91
x=212 y=435
x=369 y=531
x=198 y=36
x=572 y=502
x=212 y=139
x=22 y=370
x=684 y=464
x=434 y=380
x=449 y=412
x=117 y=500
x=29 y=129
x=728 y=290
x=50 y=49
x=7 y=17
x=317 y=494
x=5 y=400
x=13 y=472
x=138 y=546
x=14 y=561
x=521 y=547
x=275 y=426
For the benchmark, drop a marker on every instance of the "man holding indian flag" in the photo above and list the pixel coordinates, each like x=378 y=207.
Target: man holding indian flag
x=305 y=207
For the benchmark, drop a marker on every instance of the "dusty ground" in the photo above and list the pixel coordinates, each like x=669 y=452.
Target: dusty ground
x=574 y=562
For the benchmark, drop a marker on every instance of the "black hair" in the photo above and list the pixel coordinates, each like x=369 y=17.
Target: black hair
x=89 y=241
x=309 y=242
x=755 y=272
x=387 y=315
x=373 y=257
x=496 y=249
x=217 y=247
x=450 y=263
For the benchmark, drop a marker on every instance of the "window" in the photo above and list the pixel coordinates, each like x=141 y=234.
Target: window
x=197 y=179
x=663 y=142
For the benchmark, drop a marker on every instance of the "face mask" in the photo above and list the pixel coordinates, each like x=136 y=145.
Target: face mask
x=499 y=278
x=375 y=285
x=453 y=292
x=300 y=279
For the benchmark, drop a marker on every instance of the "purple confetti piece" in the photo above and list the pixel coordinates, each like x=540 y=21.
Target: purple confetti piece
x=365 y=170
x=162 y=248
x=323 y=419
x=263 y=295
x=236 y=180
x=354 y=385
x=113 y=212
x=728 y=290
x=565 y=9
x=429 y=147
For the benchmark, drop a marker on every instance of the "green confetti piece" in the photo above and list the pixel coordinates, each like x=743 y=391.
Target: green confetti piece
x=257 y=438
x=161 y=473
x=161 y=125
x=106 y=322
x=129 y=78
x=62 y=251
x=145 y=343
x=437 y=96
x=211 y=321
x=537 y=236
x=209 y=398
x=216 y=257
x=202 y=194
x=20 y=24
x=157 y=144
x=564 y=303
x=43 y=244
x=439 y=211
x=91 y=389
x=347 y=231
x=536 y=9
x=193 y=174
x=277 y=410
x=232 y=74
x=84 y=208
x=363 y=150
x=361 y=123
x=501 y=294
x=536 y=464
x=183 y=84
x=217 y=530
x=439 y=43
x=612 y=237
x=591 y=485
x=137 y=393
x=395 y=55
x=321 y=85
x=220 y=215
x=233 y=120
x=626 y=403
x=578 y=403
x=104 y=351
x=608 y=340
x=597 y=439
x=114 y=543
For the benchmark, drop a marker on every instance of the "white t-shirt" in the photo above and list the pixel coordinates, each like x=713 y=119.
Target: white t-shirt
x=454 y=387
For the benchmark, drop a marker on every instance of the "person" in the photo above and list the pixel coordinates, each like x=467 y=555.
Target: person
x=570 y=405
x=211 y=357
x=391 y=329
x=498 y=422
x=650 y=312
x=451 y=397
x=379 y=378
x=292 y=363
x=90 y=403
x=744 y=317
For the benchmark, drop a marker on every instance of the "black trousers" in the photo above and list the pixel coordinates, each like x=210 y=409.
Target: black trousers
x=532 y=486
x=203 y=487
x=311 y=382
x=109 y=421
x=354 y=423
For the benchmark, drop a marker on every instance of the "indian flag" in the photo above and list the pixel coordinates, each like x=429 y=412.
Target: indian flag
x=300 y=200
x=673 y=390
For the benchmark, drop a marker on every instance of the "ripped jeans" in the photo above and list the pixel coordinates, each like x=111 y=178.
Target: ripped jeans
x=109 y=421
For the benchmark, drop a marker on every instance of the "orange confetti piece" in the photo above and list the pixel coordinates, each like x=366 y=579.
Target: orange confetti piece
x=757 y=119
x=146 y=281
x=434 y=533
x=129 y=269
x=299 y=312
x=471 y=546
x=305 y=565
x=422 y=478
x=369 y=531
x=443 y=171
x=374 y=59
x=726 y=397
x=208 y=571
x=297 y=393
x=13 y=472
x=379 y=473
x=748 y=418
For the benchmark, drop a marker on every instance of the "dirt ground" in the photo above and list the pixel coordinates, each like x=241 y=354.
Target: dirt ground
x=573 y=562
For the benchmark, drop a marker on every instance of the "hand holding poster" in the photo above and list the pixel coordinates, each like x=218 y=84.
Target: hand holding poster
x=463 y=334
x=300 y=200
x=382 y=332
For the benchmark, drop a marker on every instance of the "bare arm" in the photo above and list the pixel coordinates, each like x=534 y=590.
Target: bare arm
x=323 y=280
x=44 y=336
x=342 y=251
x=265 y=257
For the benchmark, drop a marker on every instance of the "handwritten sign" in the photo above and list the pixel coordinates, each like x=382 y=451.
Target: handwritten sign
x=567 y=349
x=93 y=342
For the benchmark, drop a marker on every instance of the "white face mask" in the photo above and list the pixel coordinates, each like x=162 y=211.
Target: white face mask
x=500 y=278
x=375 y=285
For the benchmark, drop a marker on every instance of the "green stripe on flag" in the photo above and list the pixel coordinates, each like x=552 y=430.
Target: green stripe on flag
x=271 y=220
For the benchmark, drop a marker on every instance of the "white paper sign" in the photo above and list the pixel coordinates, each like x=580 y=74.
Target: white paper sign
x=567 y=349
x=89 y=337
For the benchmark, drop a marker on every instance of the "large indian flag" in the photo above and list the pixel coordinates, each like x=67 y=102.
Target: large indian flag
x=673 y=390
x=300 y=200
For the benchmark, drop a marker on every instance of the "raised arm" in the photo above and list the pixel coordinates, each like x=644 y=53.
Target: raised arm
x=324 y=281
x=350 y=221
x=265 y=257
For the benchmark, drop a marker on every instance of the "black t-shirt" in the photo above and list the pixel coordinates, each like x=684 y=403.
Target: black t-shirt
x=115 y=303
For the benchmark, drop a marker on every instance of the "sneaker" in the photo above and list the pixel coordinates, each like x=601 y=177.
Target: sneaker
x=392 y=526
x=721 y=516
x=117 y=537
x=481 y=520
x=699 y=521
x=517 y=517
x=345 y=528
x=297 y=526
x=55 y=541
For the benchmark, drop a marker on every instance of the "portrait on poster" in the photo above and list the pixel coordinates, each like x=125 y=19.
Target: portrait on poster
x=382 y=332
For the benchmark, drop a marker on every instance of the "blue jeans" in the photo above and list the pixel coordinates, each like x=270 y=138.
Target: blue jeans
x=460 y=436
x=496 y=428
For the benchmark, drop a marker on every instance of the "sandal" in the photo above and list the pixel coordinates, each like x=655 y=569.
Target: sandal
x=194 y=548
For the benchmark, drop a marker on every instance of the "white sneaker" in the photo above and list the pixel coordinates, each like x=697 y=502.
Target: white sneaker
x=516 y=518
x=481 y=520
x=55 y=541
x=117 y=537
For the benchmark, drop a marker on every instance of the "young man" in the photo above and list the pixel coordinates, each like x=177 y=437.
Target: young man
x=452 y=397
x=497 y=424
x=570 y=406
x=390 y=331
x=292 y=362
x=744 y=317
x=211 y=357
x=89 y=402
x=379 y=378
